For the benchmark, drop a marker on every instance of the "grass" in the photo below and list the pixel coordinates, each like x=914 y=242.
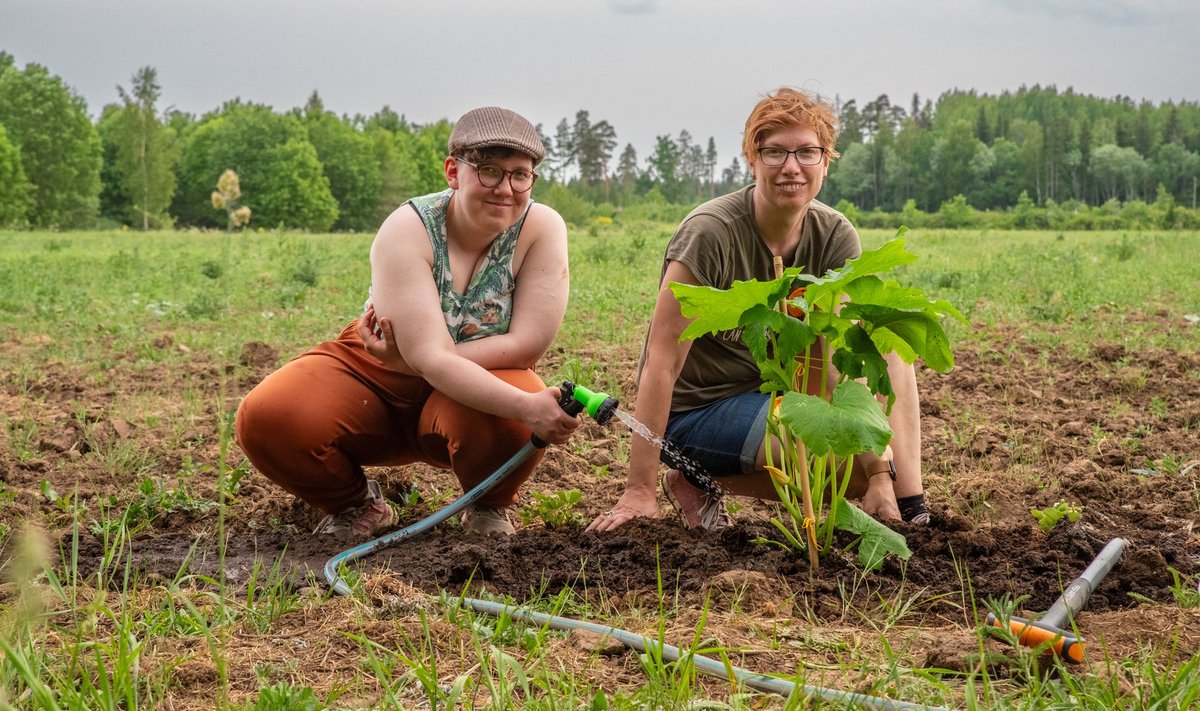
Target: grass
x=143 y=303
x=1071 y=281
x=66 y=293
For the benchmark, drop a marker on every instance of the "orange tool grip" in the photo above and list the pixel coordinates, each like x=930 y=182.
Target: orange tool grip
x=1029 y=634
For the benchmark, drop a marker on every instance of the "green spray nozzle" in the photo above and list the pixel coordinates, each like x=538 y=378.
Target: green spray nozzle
x=599 y=406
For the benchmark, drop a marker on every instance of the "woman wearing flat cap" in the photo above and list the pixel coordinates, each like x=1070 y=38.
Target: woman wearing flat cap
x=468 y=289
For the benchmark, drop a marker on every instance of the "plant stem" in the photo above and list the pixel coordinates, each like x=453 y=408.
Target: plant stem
x=810 y=517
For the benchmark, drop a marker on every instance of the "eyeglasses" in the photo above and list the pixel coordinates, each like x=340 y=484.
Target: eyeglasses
x=490 y=176
x=806 y=155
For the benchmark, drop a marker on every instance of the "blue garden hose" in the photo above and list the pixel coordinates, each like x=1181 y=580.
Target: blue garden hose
x=341 y=588
x=573 y=403
x=573 y=399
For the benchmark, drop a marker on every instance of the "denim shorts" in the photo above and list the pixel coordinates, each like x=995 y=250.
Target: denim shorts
x=723 y=438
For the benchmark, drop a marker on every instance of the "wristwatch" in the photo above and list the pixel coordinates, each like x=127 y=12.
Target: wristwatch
x=891 y=470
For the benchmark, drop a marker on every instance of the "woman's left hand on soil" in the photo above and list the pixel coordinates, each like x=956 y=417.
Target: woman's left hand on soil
x=631 y=505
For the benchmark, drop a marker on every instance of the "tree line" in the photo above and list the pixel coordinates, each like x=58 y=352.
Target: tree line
x=1031 y=154
x=1050 y=145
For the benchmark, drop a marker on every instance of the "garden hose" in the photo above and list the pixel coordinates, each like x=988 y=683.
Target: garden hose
x=576 y=399
x=573 y=399
x=712 y=667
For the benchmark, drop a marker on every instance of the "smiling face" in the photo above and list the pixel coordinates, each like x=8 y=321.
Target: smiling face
x=790 y=186
x=488 y=210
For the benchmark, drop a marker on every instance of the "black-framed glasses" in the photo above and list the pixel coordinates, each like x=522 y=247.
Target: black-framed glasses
x=490 y=176
x=805 y=155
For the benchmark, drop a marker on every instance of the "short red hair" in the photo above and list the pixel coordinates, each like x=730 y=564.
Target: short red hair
x=786 y=108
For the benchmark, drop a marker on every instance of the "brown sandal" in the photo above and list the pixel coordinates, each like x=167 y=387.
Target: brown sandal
x=712 y=514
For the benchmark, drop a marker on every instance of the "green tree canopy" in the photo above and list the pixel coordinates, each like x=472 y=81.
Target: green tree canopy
x=282 y=179
x=15 y=189
x=349 y=161
x=140 y=153
x=60 y=151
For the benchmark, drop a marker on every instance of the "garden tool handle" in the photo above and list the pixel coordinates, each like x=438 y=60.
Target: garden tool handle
x=567 y=401
x=1030 y=634
x=1076 y=594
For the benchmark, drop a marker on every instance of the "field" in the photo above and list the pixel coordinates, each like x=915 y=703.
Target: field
x=146 y=565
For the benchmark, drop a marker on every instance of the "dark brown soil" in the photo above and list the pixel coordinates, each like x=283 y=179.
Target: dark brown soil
x=1013 y=427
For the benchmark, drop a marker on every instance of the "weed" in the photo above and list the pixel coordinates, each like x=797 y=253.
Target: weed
x=23 y=435
x=156 y=499
x=1185 y=589
x=978 y=506
x=48 y=492
x=1122 y=251
x=557 y=509
x=205 y=305
x=1158 y=407
x=231 y=481
x=212 y=268
x=269 y=595
x=285 y=697
x=1049 y=517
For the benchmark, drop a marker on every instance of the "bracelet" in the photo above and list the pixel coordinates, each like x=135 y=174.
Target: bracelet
x=890 y=471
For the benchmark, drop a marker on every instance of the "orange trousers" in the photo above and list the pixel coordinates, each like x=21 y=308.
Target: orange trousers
x=312 y=426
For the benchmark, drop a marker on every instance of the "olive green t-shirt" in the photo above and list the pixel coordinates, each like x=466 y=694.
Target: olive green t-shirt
x=720 y=243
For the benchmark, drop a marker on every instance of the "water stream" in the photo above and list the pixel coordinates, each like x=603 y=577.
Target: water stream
x=689 y=468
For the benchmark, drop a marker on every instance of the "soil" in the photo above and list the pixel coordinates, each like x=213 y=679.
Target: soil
x=1013 y=427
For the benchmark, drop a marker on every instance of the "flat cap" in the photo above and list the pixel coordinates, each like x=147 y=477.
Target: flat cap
x=494 y=126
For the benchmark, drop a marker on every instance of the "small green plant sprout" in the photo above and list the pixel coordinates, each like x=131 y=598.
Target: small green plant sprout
x=48 y=492
x=850 y=318
x=231 y=481
x=557 y=509
x=1049 y=517
x=228 y=197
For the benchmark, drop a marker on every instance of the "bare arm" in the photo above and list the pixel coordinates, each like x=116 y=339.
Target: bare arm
x=665 y=356
x=539 y=303
x=403 y=291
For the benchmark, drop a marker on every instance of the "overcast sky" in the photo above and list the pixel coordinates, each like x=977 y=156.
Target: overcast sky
x=649 y=67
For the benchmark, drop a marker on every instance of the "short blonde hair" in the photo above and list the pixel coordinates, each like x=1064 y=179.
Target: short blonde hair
x=787 y=108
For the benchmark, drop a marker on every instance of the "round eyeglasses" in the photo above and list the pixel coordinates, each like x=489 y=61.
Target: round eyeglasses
x=490 y=176
x=806 y=155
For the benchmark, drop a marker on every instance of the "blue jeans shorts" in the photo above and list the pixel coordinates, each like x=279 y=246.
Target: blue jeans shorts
x=723 y=438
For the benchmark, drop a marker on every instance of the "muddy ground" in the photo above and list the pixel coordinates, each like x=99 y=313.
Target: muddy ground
x=1013 y=427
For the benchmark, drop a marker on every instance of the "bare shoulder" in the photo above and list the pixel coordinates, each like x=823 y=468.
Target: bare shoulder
x=402 y=232
x=402 y=219
x=543 y=220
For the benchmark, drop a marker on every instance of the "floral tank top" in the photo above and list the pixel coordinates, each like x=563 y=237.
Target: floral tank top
x=485 y=309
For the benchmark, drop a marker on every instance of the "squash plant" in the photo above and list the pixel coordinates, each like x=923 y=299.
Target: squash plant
x=852 y=317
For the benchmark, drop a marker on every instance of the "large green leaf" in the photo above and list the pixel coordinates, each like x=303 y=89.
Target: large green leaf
x=825 y=291
x=858 y=356
x=877 y=540
x=717 y=310
x=792 y=338
x=911 y=334
x=873 y=290
x=755 y=322
x=851 y=422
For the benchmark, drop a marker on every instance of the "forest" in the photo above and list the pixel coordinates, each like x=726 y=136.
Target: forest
x=1036 y=157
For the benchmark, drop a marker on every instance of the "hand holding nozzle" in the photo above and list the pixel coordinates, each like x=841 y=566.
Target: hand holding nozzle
x=574 y=399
